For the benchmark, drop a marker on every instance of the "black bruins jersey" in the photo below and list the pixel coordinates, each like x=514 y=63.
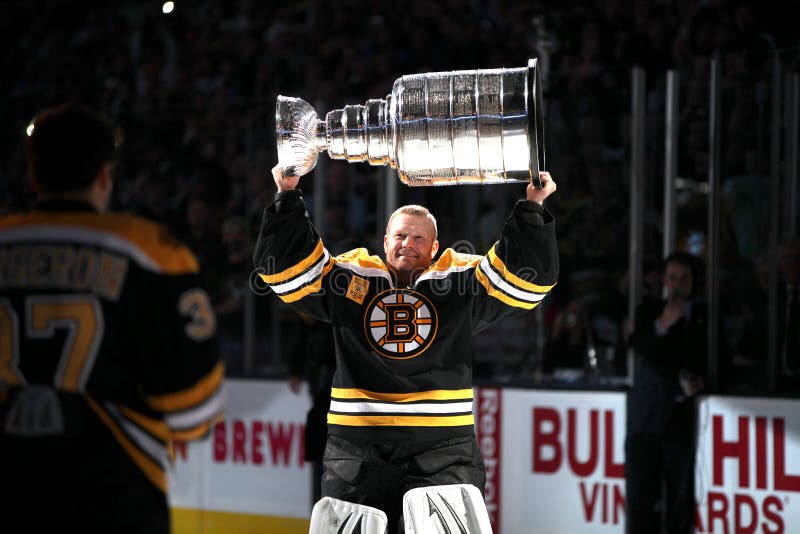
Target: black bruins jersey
x=404 y=355
x=107 y=353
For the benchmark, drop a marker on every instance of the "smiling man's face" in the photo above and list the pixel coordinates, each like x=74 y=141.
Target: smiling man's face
x=410 y=244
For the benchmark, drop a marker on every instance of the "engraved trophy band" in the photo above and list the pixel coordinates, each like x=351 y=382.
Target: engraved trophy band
x=439 y=128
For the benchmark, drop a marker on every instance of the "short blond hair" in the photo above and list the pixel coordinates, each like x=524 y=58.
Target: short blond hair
x=416 y=210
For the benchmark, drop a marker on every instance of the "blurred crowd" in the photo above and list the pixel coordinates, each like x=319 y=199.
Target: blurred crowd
x=194 y=93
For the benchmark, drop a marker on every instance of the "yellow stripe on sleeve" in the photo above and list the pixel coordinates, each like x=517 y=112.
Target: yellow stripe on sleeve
x=307 y=290
x=197 y=432
x=296 y=269
x=496 y=293
x=501 y=268
x=154 y=472
x=188 y=398
x=156 y=427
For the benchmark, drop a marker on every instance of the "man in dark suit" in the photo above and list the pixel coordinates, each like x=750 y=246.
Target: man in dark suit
x=669 y=339
x=754 y=342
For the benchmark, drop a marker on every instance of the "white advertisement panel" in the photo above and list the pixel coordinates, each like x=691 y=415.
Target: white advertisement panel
x=747 y=477
x=253 y=461
x=562 y=462
x=554 y=461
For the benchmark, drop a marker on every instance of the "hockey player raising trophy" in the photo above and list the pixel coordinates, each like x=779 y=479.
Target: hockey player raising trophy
x=401 y=453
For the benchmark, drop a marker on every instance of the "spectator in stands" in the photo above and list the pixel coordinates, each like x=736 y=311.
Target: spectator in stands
x=789 y=311
x=567 y=352
x=205 y=240
x=751 y=341
x=229 y=302
x=748 y=331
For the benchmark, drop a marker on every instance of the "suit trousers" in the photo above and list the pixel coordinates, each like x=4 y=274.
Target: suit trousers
x=662 y=462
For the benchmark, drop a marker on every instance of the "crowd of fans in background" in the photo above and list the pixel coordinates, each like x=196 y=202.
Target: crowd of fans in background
x=194 y=92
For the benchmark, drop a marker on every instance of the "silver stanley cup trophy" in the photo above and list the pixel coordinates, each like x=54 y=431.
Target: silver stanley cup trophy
x=438 y=128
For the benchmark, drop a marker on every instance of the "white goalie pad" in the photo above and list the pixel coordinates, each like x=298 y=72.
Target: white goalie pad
x=454 y=508
x=334 y=516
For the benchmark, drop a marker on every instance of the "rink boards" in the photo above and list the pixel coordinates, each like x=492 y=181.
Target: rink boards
x=554 y=462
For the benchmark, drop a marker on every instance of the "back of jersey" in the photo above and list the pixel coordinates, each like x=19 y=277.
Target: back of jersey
x=107 y=353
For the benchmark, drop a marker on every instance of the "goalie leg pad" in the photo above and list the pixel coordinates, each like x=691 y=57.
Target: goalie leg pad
x=448 y=508
x=334 y=516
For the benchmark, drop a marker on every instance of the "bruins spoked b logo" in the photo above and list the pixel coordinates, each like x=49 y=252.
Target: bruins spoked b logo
x=400 y=323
